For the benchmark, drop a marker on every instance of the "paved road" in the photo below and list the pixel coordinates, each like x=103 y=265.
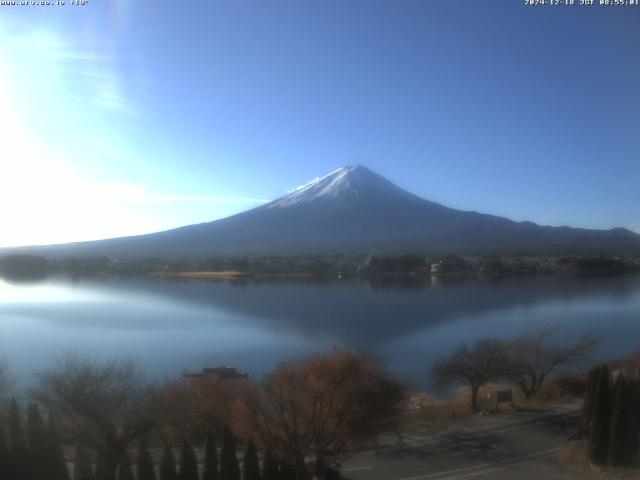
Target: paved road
x=512 y=445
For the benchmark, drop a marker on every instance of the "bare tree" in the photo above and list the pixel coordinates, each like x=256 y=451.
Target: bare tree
x=474 y=366
x=533 y=356
x=318 y=408
x=105 y=405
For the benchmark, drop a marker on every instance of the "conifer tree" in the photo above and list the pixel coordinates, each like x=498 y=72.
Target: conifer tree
x=250 y=462
x=286 y=472
x=5 y=464
x=210 y=468
x=124 y=468
x=36 y=434
x=18 y=455
x=634 y=420
x=623 y=444
x=269 y=466
x=16 y=432
x=37 y=440
x=599 y=430
x=83 y=469
x=619 y=423
x=168 y=465
x=332 y=474
x=229 y=468
x=56 y=461
x=145 y=468
x=188 y=463
x=590 y=393
x=105 y=469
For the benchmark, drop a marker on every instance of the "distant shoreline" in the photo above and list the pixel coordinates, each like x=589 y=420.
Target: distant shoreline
x=220 y=274
x=314 y=266
x=226 y=275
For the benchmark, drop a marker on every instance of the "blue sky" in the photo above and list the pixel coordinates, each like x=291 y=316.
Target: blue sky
x=123 y=117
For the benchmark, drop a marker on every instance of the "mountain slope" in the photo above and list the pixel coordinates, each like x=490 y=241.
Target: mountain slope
x=354 y=210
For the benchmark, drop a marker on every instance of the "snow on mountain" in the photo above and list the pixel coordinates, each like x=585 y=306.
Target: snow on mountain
x=350 y=181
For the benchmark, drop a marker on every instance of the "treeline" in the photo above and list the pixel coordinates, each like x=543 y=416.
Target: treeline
x=403 y=264
x=249 y=265
x=30 y=266
x=518 y=266
x=320 y=265
x=597 y=265
x=24 y=266
x=291 y=425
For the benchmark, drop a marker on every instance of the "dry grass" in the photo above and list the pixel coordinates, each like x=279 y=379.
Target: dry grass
x=557 y=391
x=427 y=408
x=575 y=458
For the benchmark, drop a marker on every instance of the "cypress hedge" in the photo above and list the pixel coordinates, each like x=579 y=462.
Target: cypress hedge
x=37 y=440
x=188 y=463
x=269 y=466
x=619 y=423
x=287 y=472
x=145 y=468
x=18 y=456
x=83 y=469
x=634 y=420
x=210 y=468
x=623 y=444
x=229 y=468
x=56 y=463
x=250 y=462
x=613 y=425
x=168 y=465
x=600 y=425
x=124 y=468
x=587 y=409
x=5 y=464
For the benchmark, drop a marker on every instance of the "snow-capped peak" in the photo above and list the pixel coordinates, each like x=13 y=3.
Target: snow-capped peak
x=349 y=181
x=317 y=179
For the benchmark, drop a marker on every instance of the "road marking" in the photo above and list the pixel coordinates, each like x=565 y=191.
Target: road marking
x=498 y=466
x=356 y=469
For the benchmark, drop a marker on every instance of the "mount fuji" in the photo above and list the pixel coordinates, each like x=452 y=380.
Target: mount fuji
x=355 y=211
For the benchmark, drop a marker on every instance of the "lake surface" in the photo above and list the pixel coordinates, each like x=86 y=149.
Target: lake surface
x=173 y=325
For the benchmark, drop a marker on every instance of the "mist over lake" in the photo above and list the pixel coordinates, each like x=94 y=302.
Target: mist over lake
x=173 y=325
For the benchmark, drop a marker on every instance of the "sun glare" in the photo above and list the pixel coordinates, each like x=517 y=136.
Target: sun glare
x=42 y=199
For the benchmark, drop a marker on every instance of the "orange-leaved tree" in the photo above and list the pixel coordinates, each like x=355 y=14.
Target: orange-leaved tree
x=318 y=408
x=196 y=406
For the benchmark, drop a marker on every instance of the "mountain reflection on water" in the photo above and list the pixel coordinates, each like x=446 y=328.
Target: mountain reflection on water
x=172 y=325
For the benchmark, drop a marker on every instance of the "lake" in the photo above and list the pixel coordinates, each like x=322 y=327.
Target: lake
x=174 y=325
